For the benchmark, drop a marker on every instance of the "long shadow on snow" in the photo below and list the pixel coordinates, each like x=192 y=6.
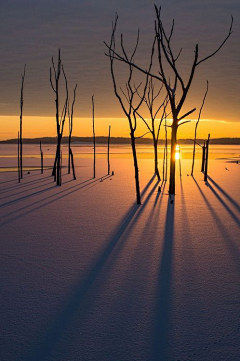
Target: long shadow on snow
x=226 y=237
x=234 y=217
x=162 y=311
x=51 y=335
x=23 y=185
x=77 y=187
x=231 y=200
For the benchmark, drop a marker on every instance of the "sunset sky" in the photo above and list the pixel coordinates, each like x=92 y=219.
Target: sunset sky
x=32 y=30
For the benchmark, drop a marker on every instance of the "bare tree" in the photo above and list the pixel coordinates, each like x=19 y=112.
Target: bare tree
x=172 y=81
x=20 y=133
x=41 y=154
x=206 y=159
x=60 y=120
x=196 y=126
x=70 y=118
x=131 y=108
x=94 y=138
x=149 y=99
x=19 y=175
x=165 y=153
x=109 y=134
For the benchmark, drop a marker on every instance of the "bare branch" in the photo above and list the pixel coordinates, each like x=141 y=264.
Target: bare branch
x=186 y=121
x=142 y=135
x=224 y=41
x=188 y=113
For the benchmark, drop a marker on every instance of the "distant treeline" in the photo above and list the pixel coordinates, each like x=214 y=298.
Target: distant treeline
x=117 y=140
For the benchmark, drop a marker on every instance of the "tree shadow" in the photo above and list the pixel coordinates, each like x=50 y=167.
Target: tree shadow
x=32 y=187
x=231 y=200
x=52 y=333
x=230 y=212
x=229 y=242
x=53 y=197
x=163 y=306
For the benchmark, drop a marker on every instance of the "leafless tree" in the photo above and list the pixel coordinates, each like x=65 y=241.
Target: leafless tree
x=165 y=153
x=19 y=173
x=94 y=138
x=41 y=154
x=70 y=118
x=130 y=94
x=172 y=80
x=206 y=159
x=196 y=126
x=109 y=134
x=20 y=133
x=149 y=99
x=60 y=119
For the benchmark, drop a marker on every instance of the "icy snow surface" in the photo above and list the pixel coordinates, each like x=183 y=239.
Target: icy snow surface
x=87 y=275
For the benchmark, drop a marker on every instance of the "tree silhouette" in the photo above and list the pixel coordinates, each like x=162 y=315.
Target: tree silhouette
x=172 y=79
x=70 y=118
x=130 y=93
x=60 y=120
x=150 y=99
x=20 y=132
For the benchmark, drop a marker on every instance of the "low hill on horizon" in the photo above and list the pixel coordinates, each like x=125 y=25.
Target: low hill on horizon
x=117 y=140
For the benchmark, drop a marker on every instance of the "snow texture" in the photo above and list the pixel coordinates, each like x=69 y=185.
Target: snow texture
x=88 y=275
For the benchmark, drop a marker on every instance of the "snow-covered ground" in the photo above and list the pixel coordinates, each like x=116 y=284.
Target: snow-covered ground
x=87 y=275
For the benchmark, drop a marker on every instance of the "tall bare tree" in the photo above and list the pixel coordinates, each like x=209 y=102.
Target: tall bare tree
x=60 y=119
x=109 y=135
x=172 y=80
x=150 y=99
x=70 y=118
x=20 y=132
x=130 y=94
x=196 y=126
x=94 y=138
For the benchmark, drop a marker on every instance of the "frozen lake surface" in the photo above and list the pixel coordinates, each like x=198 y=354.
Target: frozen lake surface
x=88 y=275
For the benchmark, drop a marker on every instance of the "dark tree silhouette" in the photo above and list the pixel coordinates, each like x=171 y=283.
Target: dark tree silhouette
x=149 y=99
x=109 y=134
x=203 y=156
x=70 y=118
x=206 y=159
x=130 y=94
x=19 y=174
x=165 y=154
x=167 y=60
x=60 y=120
x=20 y=133
x=41 y=154
x=94 y=138
x=196 y=126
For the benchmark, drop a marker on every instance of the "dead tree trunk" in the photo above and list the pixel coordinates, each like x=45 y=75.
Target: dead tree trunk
x=156 y=171
x=72 y=163
x=20 y=134
x=203 y=157
x=19 y=175
x=135 y=160
x=206 y=161
x=109 y=133
x=41 y=154
x=173 y=159
x=94 y=140
x=195 y=134
x=60 y=120
x=70 y=118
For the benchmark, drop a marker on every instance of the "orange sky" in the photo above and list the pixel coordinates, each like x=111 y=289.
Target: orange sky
x=34 y=127
x=31 y=33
